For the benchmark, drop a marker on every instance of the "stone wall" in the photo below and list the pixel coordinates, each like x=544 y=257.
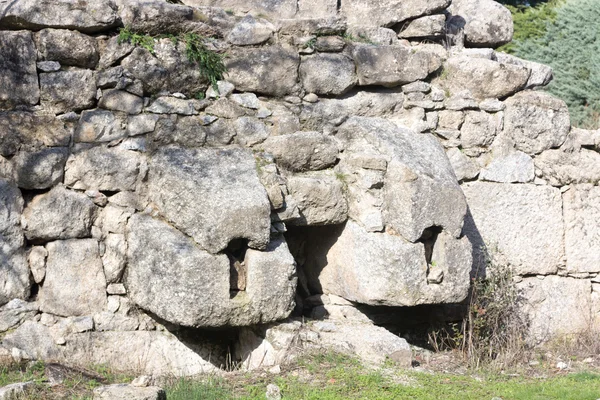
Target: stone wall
x=341 y=161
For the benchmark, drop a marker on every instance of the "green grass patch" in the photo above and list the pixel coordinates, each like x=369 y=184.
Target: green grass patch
x=331 y=376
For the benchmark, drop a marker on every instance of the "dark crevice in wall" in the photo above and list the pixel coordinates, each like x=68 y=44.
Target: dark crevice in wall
x=236 y=252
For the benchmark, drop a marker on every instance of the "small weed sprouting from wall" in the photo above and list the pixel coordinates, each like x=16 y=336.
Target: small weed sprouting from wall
x=494 y=329
x=210 y=63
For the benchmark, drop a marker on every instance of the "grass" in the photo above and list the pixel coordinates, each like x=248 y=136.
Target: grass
x=332 y=376
x=210 y=63
x=327 y=376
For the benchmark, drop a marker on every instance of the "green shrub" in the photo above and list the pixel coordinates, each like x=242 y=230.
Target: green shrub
x=567 y=38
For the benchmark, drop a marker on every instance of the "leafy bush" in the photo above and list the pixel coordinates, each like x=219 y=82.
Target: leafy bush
x=565 y=35
x=493 y=331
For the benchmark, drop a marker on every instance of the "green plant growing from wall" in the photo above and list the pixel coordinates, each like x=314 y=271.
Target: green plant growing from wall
x=210 y=63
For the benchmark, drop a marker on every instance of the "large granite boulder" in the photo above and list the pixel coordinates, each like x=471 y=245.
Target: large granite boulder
x=88 y=16
x=393 y=65
x=536 y=121
x=40 y=169
x=31 y=132
x=58 y=214
x=14 y=271
x=18 y=74
x=556 y=306
x=503 y=215
x=328 y=74
x=389 y=12
x=485 y=23
x=103 y=168
x=270 y=70
x=67 y=47
x=420 y=189
x=172 y=277
x=581 y=207
x=484 y=78
x=213 y=195
x=384 y=269
x=74 y=283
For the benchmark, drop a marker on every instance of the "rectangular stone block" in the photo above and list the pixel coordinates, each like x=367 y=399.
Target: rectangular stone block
x=523 y=224
x=18 y=74
x=581 y=207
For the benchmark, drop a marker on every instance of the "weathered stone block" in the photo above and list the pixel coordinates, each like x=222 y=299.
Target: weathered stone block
x=103 y=168
x=523 y=223
x=389 y=12
x=328 y=74
x=320 y=200
x=14 y=271
x=393 y=65
x=71 y=90
x=74 y=284
x=302 y=151
x=67 y=47
x=41 y=169
x=271 y=70
x=581 y=205
x=18 y=74
x=58 y=214
x=212 y=195
x=191 y=287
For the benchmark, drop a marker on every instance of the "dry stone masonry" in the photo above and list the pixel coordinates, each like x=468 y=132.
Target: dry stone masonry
x=356 y=153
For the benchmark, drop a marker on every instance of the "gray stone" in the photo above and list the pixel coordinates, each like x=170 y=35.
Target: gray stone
x=541 y=75
x=129 y=392
x=14 y=312
x=119 y=100
x=417 y=87
x=464 y=167
x=26 y=131
x=250 y=31
x=192 y=287
x=420 y=188
x=515 y=167
x=250 y=131
x=393 y=65
x=155 y=353
x=504 y=214
x=581 y=207
x=480 y=129
x=88 y=16
x=561 y=168
x=102 y=168
x=247 y=100
x=14 y=271
x=384 y=269
x=37 y=262
x=172 y=105
x=48 y=66
x=74 y=284
x=430 y=26
x=113 y=218
x=157 y=17
x=536 y=121
x=234 y=204
x=141 y=124
x=41 y=169
x=190 y=131
x=486 y=23
x=18 y=75
x=492 y=105
x=483 y=78
x=58 y=214
x=271 y=71
x=320 y=199
x=226 y=108
x=329 y=44
x=302 y=151
x=100 y=126
x=108 y=321
x=113 y=259
x=224 y=89
x=15 y=391
x=116 y=288
x=451 y=120
x=389 y=12
x=372 y=34
x=328 y=74
x=555 y=306
x=146 y=68
x=67 y=47
x=114 y=51
x=71 y=90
